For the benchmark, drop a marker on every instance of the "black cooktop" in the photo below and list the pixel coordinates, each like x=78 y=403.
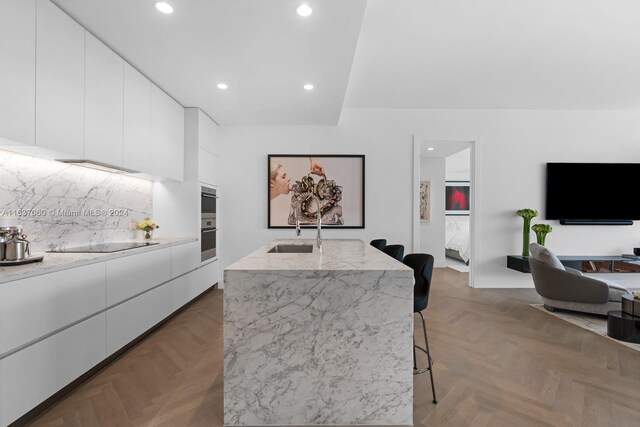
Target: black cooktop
x=105 y=247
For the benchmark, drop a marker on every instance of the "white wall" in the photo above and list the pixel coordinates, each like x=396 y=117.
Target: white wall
x=512 y=148
x=432 y=231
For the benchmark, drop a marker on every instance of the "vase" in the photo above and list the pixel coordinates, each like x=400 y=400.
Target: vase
x=148 y=235
x=526 y=231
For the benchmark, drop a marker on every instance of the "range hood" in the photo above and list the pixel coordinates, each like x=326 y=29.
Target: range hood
x=97 y=165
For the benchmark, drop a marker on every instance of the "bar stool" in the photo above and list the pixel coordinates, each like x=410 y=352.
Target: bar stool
x=394 y=251
x=379 y=244
x=422 y=265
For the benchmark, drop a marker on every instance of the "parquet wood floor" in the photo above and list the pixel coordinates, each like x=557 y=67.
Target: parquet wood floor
x=498 y=362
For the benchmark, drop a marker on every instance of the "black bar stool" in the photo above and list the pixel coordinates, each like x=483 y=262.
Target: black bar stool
x=394 y=251
x=379 y=244
x=422 y=265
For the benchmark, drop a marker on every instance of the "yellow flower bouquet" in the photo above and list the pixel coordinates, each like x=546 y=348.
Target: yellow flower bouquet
x=147 y=226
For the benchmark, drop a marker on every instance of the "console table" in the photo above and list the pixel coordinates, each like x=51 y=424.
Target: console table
x=584 y=263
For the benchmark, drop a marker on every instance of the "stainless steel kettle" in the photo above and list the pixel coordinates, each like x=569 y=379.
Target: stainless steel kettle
x=16 y=250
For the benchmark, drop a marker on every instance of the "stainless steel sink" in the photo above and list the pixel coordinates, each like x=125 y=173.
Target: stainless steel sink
x=291 y=249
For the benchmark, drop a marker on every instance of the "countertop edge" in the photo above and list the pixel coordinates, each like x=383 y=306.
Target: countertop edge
x=93 y=258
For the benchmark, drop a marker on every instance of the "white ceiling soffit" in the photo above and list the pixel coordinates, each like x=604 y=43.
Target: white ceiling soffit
x=524 y=54
x=261 y=49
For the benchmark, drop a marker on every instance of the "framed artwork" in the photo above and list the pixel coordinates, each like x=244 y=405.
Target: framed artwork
x=425 y=200
x=298 y=185
x=457 y=200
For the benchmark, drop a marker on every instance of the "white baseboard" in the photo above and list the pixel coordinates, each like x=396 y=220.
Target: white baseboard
x=439 y=264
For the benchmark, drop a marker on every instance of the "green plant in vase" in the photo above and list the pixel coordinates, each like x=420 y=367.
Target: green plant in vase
x=527 y=215
x=541 y=231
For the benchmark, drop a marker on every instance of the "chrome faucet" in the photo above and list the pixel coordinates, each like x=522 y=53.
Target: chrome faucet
x=319 y=236
x=295 y=215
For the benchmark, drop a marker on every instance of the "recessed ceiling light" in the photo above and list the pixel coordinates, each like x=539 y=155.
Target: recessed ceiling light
x=308 y=87
x=222 y=86
x=304 y=10
x=430 y=149
x=164 y=7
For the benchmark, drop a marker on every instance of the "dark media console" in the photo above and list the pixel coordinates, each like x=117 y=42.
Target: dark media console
x=596 y=222
x=584 y=263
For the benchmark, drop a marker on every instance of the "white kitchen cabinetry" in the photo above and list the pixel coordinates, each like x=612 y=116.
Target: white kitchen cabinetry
x=55 y=327
x=129 y=320
x=207 y=133
x=37 y=372
x=137 y=120
x=167 y=136
x=129 y=276
x=207 y=167
x=36 y=306
x=18 y=70
x=60 y=61
x=184 y=258
x=103 y=103
x=207 y=149
x=207 y=276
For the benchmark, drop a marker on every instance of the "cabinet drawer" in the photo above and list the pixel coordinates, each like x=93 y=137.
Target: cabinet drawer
x=207 y=276
x=184 y=258
x=134 y=274
x=33 y=307
x=33 y=374
x=130 y=319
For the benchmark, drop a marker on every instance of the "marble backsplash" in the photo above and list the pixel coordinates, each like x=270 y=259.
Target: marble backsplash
x=62 y=205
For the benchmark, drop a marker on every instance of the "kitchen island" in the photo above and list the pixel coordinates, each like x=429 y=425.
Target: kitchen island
x=320 y=338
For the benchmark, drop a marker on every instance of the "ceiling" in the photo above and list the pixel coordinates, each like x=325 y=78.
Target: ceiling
x=498 y=54
x=261 y=49
x=433 y=54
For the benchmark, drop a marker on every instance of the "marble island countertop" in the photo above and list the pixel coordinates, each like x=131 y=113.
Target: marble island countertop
x=320 y=338
x=54 y=261
x=336 y=255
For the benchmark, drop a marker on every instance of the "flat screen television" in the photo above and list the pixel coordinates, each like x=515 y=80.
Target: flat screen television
x=592 y=192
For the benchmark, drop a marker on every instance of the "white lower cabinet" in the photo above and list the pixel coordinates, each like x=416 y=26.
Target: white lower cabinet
x=35 y=373
x=129 y=276
x=184 y=258
x=34 y=307
x=131 y=319
x=207 y=276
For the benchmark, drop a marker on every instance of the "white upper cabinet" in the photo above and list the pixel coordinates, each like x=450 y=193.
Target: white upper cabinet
x=208 y=133
x=167 y=136
x=18 y=70
x=137 y=120
x=60 y=62
x=103 y=103
x=207 y=150
x=207 y=167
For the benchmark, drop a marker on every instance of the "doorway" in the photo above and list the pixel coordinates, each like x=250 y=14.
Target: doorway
x=444 y=202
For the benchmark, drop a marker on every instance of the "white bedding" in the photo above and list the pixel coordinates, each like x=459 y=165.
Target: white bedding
x=457 y=238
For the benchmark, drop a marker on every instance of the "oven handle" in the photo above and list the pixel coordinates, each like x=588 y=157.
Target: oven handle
x=209 y=196
x=209 y=230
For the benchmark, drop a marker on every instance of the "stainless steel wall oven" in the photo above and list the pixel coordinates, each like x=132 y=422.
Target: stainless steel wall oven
x=208 y=227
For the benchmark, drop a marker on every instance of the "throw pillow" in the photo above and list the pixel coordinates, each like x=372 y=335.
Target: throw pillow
x=544 y=255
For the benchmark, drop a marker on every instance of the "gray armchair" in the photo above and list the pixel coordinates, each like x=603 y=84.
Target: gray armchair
x=566 y=288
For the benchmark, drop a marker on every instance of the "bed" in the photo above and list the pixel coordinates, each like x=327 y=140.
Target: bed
x=457 y=240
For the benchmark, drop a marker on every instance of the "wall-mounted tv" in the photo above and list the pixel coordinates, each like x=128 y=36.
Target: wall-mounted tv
x=598 y=193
